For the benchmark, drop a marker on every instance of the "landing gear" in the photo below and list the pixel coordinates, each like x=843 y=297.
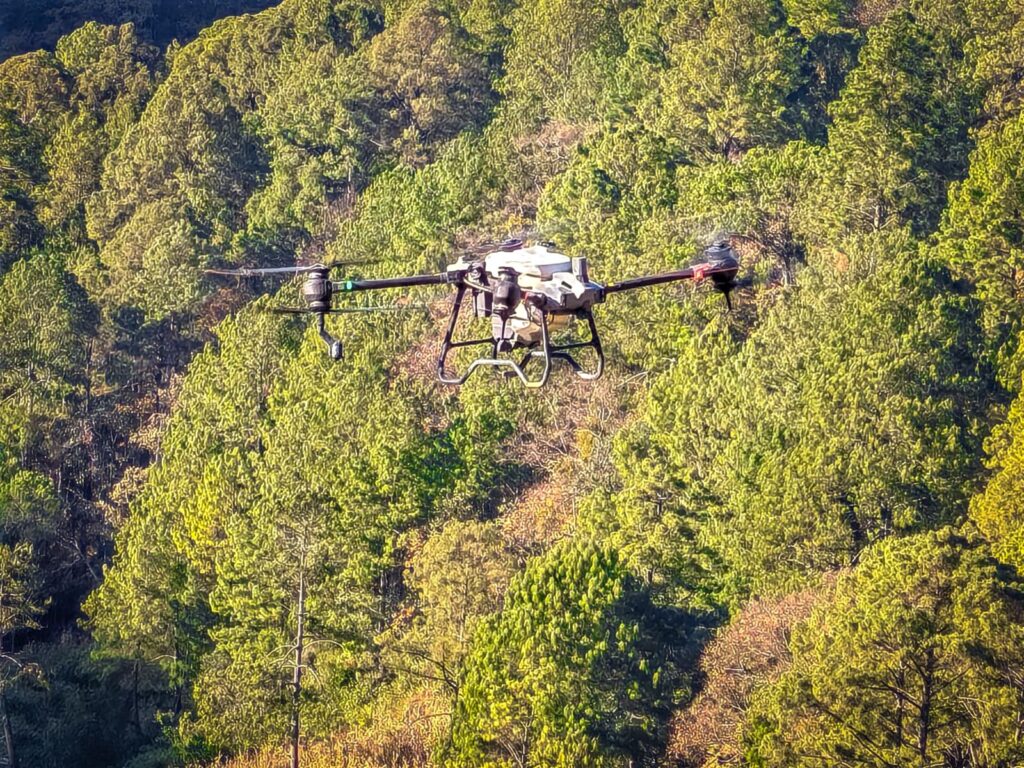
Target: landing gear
x=543 y=350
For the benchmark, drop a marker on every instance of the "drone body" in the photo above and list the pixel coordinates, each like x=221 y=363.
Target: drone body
x=547 y=279
x=527 y=293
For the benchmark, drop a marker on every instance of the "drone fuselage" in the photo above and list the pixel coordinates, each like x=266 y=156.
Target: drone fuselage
x=543 y=283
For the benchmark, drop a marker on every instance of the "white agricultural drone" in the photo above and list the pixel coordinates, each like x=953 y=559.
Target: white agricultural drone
x=527 y=292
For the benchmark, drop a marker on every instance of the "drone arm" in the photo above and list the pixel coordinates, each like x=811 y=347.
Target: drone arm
x=647 y=280
x=346 y=286
x=722 y=273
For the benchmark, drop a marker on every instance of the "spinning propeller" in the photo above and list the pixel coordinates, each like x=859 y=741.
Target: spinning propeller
x=298 y=269
x=317 y=291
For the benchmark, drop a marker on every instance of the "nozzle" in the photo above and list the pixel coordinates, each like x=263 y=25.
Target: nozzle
x=334 y=347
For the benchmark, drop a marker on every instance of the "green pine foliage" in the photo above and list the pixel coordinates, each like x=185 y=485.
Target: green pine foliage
x=898 y=133
x=578 y=669
x=999 y=509
x=913 y=663
x=486 y=576
x=714 y=102
x=793 y=452
x=979 y=237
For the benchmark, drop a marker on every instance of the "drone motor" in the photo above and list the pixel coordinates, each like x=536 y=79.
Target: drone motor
x=317 y=290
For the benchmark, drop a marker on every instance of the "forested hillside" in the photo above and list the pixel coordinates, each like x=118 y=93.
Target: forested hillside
x=26 y=25
x=787 y=535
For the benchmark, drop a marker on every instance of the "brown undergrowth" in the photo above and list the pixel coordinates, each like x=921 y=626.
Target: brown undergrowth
x=752 y=650
x=404 y=739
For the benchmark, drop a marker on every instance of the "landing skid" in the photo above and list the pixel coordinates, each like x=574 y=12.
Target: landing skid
x=545 y=352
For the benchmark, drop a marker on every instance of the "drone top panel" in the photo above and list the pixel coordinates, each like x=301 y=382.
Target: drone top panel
x=536 y=261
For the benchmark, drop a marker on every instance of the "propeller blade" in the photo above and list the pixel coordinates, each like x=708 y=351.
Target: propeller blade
x=295 y=270
x=348 y=310
x=746 y=282
x=726 y=290
x=490 y=246
x=352 y=263
x=260 y=272
x=382 y=308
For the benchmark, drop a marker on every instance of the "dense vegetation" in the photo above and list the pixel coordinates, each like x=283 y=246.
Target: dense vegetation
x=26 y=25
x=789 y=535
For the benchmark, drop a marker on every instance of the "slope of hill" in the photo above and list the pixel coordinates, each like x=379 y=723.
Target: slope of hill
x=805 y=513
x=28 y=25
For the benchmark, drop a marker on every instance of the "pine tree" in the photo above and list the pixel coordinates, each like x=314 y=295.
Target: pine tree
x=898 y=133
x=980 y=237
x=915 y=662
x=578 y=669
x=19 y=609
x=732 y=85
x=831 y=428
x=458 y=577
x=999 y=509
x=560 y=57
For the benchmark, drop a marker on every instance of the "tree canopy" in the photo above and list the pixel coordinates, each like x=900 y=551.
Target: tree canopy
x=785 y=534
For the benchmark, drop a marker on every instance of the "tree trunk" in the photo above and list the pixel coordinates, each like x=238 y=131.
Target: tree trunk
x=886 y=520
x=5 y=723
x=136 y=714
x=297 y=674
x=901 y=703
x=857 y=538
x=924 y=732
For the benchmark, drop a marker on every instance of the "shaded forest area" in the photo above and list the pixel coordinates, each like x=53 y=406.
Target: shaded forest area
x=28 y=25
x=787 y=535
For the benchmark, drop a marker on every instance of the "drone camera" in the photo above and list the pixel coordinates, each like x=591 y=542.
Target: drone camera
x=335 y=350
